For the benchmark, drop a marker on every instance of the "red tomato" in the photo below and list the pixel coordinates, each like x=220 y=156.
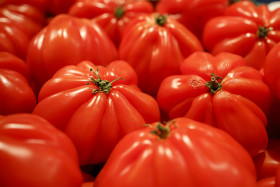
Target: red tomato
x=220 y=91
x=112 y=15
x=271 y=70
x=156 y=45
x=181 y=153
x=267 y=182
x=67 y=40
x=246 y=29
x=53 y=7
x=268 y=161
x=192 y=14
x=33 y=153
x=16 y=94
x=96 y=108
x=18 y=24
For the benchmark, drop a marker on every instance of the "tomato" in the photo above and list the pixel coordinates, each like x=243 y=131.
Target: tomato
x=182 y=152
x=267 y=162
x=33 y=153
x=246 y=29
x=96 y=106
x=267 y=182
x=112 y=15
x=53 y=7
x=192 y=14
x=155 y=45
x=67 y=40
x=18 y=24
x=16 y=94
x=220 y=91
x=271 y=70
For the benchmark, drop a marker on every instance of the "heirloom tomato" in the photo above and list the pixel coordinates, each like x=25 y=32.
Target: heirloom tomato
x=34 y=153
x=67 y=40
x=268 y=161
x=180 y=153
x=96 y=106
x=16 y=94
x=220 y=91
x=156 y=45
x=271 y=70
x=192 y=14
x=18 y=24
x=267 y=182
x=246 y=29
x=112 y=15
x=52 y=7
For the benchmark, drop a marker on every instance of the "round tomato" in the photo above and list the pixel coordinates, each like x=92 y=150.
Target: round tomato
x=246 y=29
x=271 y=70
x=96 y=106
x=67 y=40
x=112 y=15
x=268 y=161
x=16 y=94
x=192 y=14
x=33 y=153
x=220 y=91
x=156 y=45
x=267 y=182
x=180 y=153
x=18 y=24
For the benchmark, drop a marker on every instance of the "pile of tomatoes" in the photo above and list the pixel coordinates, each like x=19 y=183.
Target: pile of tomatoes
x=122 y=93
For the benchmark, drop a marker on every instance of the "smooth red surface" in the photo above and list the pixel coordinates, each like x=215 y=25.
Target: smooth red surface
x=34 y=153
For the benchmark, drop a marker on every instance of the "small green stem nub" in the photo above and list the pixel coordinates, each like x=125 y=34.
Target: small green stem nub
x=214 y=84
x=263 y=31
x=160 y=20
x=163 y=130
x=103 y=85
x=119 y=12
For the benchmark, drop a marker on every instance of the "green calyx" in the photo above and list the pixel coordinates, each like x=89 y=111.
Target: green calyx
x=119 y=12
x=214 y=84
x=163 y=130
x=103 y=85
x=160 y=20
x=263 y=31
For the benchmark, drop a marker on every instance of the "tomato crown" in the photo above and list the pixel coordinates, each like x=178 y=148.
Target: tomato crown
x=103 y=85
x=214 y=84
x=119 y=12
x=160 y=20
x=263 y=31
x=163 y=130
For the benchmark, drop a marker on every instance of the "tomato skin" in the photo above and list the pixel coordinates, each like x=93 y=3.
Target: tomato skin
x=156 y=51
x=267 y=182
x=53 y=7
x=80 y=39
x=193 y=14
x=237 y=32
x=31 y=146
x=104 y=13
x=271 y=70
x=16 y=94
x=182 y=159
x=95 y=122
x=22 y=21
x=243 y=96
x=268 y=161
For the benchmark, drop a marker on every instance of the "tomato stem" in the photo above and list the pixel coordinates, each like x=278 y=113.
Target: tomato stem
x=103 y=85
x=263 y=31
x=160 y=20
x=214 y=84
x=119 y=12
x=163 y=130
